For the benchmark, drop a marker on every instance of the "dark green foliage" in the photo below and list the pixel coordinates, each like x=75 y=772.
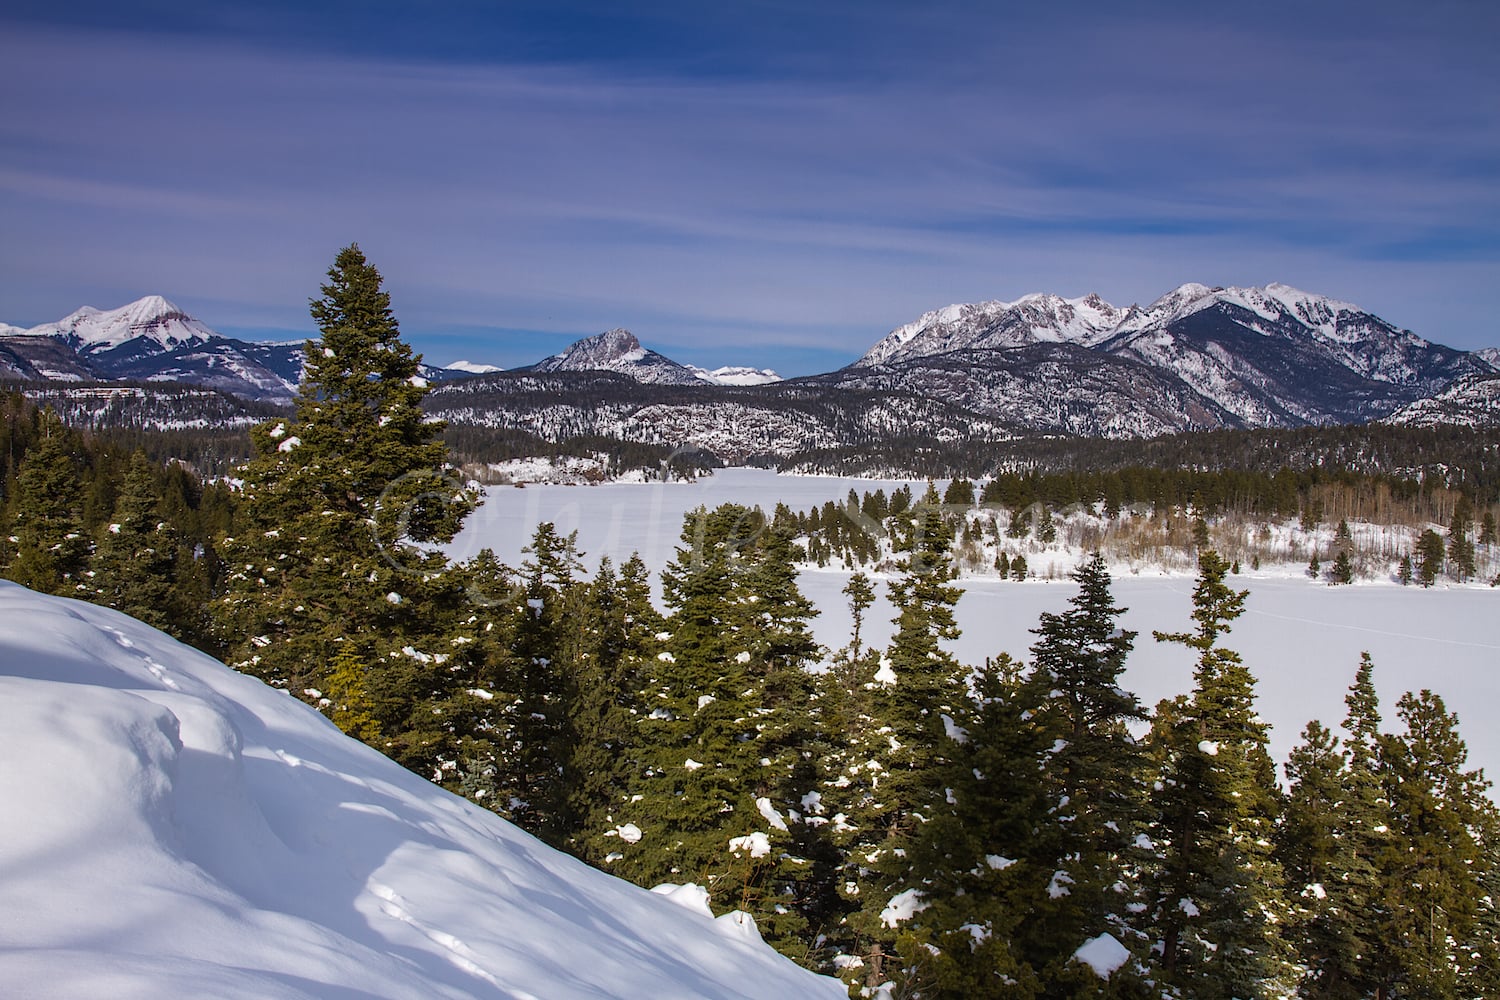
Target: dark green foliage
x=333 y=503
x=725 y=745
x=135 y=563
x=960 y=492
x=1314 y=567
x=1460 y=545
x=1092 y=776
x=1343 y=569
x=1435 y=860
x=1215 y=889
x=1430 y=554
x=48 y=549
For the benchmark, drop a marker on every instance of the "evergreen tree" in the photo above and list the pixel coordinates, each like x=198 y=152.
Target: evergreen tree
x=981 y=879
x=1335 y=832
x=1435 y=862
x=611 y=676
x=1404 y=572
x=724 y=760
x=135 y=561
x=1460 y=545
x=1216 y=892
x=548 y=634
x=51 y=550
x=1314 y=568
x=1487 y=529
x=333 y=507
x=1343 y=570
x=1429 y=557
x=1093 y=774
x=916 y=713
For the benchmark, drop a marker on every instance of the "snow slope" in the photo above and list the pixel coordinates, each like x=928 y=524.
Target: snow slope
x=174 y=829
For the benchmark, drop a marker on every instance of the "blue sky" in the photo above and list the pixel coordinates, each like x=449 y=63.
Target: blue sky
x=744 y=182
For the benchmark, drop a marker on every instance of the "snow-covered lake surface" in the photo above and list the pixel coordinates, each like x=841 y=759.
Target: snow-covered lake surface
x=1302 y=639
x=175 y=829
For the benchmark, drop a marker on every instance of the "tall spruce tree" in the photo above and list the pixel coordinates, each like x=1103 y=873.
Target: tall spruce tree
x=335 y=502
x=610 y=675
x=924 y=685
x=1094 y=784
x=1216 y=896
x=1434 y=933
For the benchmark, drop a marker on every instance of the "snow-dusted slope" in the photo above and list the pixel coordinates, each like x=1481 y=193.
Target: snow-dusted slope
x=617 y=351
x=1031 y=319
x=1472 y=402
x=174 y=829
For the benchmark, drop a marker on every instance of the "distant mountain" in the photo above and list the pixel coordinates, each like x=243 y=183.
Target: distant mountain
x=472 y=368
x=152 y=340
x=617 y=351
x=1197 y=357
x=736 y=375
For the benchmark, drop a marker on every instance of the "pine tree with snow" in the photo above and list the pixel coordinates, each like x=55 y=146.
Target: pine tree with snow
x=1343 y=569
x=1335 y=827
x=1436 y=935
x=622 y=629
x=924 y=687
x=977 y=853
x=548 y=609
x=1216 y=903
x=135 y=561
x=722 y=777
x=1094 y=789
x=336 y=501
x=50 y=551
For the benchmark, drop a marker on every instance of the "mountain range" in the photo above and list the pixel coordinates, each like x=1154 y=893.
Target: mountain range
x=1196 y=358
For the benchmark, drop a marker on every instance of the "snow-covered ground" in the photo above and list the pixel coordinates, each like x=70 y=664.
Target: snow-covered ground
x=175 y=829
x=1301 y=638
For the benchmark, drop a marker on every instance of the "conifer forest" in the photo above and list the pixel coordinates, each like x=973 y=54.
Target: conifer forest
x=889 y=815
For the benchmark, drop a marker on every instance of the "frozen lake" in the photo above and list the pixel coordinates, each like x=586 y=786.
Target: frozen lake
x=1302 y=639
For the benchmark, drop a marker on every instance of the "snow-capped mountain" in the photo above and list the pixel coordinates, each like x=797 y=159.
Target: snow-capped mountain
x=472 y=368
x=1490 y=356
x=191 y=832
x=1272 y=356
x=736 y=375
x=617 y=351
x=1029 y=320
x=152 y=340
x=148 y=325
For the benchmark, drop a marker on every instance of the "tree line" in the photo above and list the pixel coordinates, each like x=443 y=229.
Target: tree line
x=918 y=826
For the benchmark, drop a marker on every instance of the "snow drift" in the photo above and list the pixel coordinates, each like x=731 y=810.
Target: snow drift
x=176 y=829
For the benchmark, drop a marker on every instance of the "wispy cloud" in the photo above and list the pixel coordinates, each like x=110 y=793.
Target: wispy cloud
x=737 y=213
